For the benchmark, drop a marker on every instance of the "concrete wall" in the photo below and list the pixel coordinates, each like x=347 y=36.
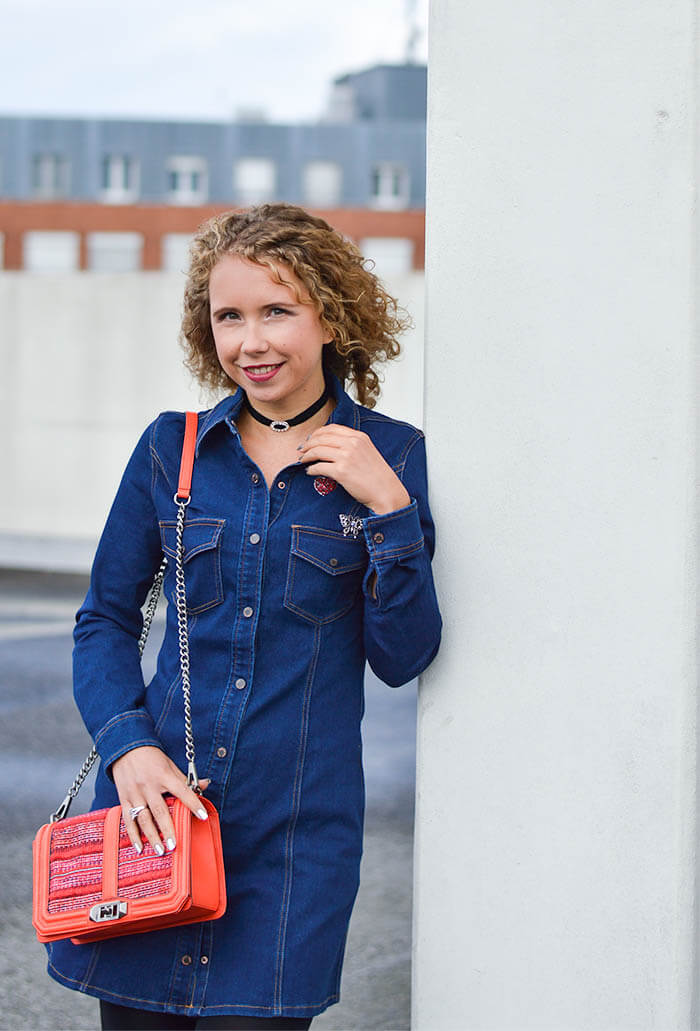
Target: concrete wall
x=87 y=361
x=556 y=837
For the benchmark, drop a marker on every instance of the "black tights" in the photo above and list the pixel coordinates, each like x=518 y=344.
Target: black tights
x=124 y=1018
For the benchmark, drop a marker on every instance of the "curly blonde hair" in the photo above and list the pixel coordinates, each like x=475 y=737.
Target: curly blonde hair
x=352 y=304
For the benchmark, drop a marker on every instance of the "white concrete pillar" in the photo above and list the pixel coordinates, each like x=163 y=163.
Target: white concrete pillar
x=556 y=838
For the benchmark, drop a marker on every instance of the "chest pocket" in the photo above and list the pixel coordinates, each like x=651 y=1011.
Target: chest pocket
x=324 y=575
x=202 y=544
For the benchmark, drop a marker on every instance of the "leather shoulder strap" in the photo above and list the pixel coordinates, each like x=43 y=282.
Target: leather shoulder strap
x=184 y=482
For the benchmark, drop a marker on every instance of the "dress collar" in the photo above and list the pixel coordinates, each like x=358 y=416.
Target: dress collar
x=345 y=412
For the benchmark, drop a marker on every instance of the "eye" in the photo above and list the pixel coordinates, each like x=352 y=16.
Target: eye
x=276 y=310
x=227 y=316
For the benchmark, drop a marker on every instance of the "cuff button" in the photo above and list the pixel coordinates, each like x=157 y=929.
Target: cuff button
x=378 y=538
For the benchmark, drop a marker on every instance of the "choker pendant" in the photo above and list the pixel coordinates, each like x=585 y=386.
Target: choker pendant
x=281 y=425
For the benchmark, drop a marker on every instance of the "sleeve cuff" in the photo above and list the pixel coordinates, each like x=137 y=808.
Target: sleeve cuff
x=394 y=534
x=123 y=732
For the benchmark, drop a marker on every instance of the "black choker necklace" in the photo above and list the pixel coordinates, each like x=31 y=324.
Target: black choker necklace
x=280 y=425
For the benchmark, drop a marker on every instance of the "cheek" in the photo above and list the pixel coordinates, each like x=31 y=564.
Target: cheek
x=225 y=341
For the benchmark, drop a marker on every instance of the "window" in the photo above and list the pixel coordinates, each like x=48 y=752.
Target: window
x=120 y=179
x=392 y=255
x=254 y=180
x=114 y=252
x=389 y=187
x=51 y=251
x=322 y=183
x=175 y=252
x=187 y=180
x=50 y=176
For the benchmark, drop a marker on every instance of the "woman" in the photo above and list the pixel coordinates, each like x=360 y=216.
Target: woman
x=308 y=544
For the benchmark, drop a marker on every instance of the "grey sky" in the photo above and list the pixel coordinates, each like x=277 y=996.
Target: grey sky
x=203 y=60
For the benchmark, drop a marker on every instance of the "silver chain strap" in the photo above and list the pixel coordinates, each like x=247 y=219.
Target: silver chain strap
x=151 y=606
x=184 y=643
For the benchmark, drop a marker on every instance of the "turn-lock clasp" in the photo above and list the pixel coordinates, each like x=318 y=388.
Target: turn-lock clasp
x=108 y=911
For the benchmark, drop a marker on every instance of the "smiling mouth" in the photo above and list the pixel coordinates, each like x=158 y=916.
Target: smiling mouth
x=261 y=373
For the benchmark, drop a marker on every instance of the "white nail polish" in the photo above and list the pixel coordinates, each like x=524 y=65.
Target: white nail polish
x=202 y=814
x=159 y=849
x=171 y=844
x=139 y=847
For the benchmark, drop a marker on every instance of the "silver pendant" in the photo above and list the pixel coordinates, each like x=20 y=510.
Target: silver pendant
x=352 y=525
x=279 y=425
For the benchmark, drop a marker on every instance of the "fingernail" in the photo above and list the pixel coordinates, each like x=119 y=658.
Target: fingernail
x=159 y=849
x=202 y=814
x=138 y=846
x=171 y=844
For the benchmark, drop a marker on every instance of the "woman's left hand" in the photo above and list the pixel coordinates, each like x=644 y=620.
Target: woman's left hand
x=349 y=457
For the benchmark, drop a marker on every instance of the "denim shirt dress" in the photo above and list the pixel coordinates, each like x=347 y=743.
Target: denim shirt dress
x=283 y=613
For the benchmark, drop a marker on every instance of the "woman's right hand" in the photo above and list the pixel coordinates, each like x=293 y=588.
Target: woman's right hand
x=142 y=776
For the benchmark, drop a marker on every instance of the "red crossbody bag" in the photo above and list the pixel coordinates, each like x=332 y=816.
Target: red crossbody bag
x=89 y=881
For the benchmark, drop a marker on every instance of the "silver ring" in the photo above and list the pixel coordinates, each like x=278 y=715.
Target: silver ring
x=135 y=810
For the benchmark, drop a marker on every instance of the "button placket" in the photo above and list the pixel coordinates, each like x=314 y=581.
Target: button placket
x=248 y=586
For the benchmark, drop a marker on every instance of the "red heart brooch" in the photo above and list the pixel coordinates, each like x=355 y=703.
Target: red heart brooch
x=324 y=485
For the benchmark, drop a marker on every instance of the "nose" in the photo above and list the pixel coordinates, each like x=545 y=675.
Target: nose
x=254 y=341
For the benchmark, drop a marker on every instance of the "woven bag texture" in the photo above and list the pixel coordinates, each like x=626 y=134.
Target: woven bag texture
x=75 y=866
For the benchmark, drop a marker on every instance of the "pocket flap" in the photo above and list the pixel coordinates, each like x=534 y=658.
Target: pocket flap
x=199 y=535
x=329 y=550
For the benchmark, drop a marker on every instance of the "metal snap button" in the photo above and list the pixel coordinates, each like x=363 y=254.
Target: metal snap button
x=281 y=485
x=378 y=538
x=255 y=478
x=254 y=538
x=333 y=561
x=186 y=960
x=240 y=683
x=204 y=960
x=247 y=612
x=221 y=752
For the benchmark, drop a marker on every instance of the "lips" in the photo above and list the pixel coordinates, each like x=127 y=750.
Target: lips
x=260 y=373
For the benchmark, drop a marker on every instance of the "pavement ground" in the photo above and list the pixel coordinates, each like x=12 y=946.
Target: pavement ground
x=43 y=742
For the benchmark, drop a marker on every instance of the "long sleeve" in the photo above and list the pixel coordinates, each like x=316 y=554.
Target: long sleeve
x=108 y=682
x=402 y=621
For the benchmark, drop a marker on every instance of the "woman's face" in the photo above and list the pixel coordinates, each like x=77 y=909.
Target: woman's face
x=266 y=341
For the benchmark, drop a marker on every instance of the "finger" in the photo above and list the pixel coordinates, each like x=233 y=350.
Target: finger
x=190 y=798
x=329 y=435
x=320 y=454
x=149 y=831
x=323 y=469
x=132 y=827
x=310 y=446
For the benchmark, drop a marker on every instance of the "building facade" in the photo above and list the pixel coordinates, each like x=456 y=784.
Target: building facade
x=117 y=195
x=367 y=152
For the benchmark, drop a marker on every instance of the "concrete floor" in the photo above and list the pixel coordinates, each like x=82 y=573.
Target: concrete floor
x=43 y=742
